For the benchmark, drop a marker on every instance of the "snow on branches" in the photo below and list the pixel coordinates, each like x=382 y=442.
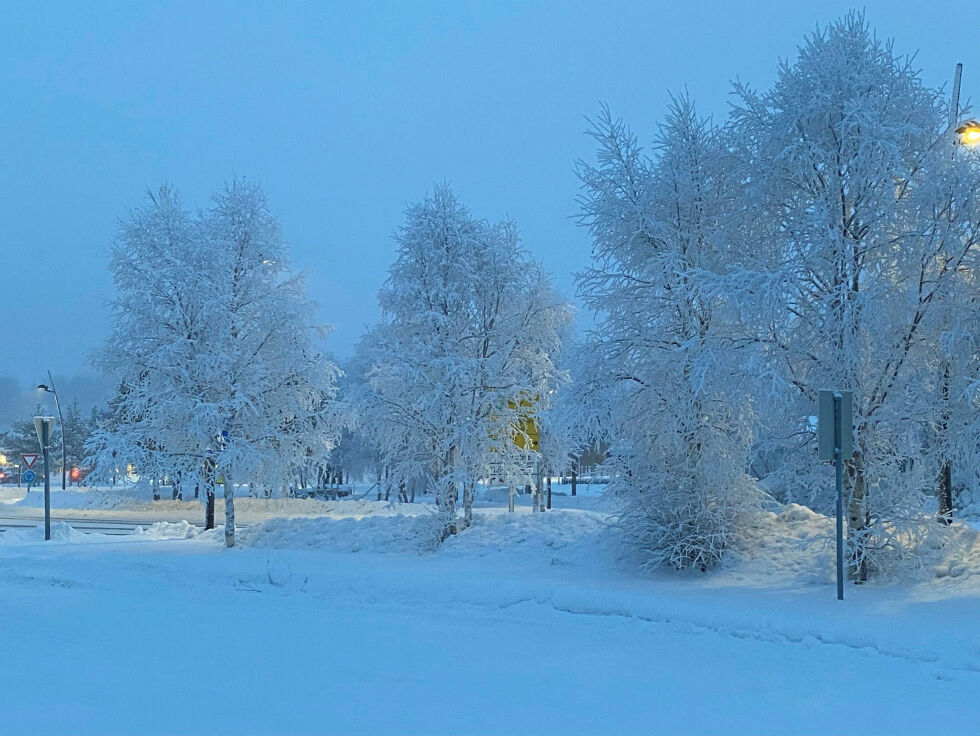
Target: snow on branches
x=863 y=214
x=213 y=348
x=664 y=366
x=827 y=236
x=470 y=339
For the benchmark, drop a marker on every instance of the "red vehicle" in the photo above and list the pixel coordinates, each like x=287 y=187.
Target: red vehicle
x=77 y=475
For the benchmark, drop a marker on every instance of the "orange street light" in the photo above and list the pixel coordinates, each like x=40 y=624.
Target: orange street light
x=969 y=133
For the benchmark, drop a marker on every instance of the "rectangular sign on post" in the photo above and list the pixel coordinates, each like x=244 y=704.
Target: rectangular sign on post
x=43 y=427
x=825 y=424
x=835 y=441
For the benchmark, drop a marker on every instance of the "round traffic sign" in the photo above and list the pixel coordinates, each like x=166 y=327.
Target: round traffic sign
x=29 y=476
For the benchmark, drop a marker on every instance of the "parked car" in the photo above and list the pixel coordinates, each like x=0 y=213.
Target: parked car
x=77 y=475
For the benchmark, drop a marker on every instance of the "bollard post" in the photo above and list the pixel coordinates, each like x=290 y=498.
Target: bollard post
x=839 y=462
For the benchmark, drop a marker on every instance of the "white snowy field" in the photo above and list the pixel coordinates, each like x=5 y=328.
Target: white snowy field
x=522 y=624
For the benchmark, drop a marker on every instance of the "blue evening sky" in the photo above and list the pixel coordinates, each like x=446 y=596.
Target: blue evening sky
x=346 y=113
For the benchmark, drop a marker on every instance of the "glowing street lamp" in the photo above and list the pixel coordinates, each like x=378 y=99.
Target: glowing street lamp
x=969 y=133
x=51 y=390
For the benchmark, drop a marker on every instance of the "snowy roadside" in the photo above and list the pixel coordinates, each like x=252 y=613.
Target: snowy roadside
x=324 y=639
x=776 y=584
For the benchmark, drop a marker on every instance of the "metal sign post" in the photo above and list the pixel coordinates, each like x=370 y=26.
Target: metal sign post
x=44 y=425
x=835 y=441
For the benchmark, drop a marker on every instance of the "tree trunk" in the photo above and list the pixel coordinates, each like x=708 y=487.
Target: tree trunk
x=469 y=495
x=539 y=489
x=451 y=497
x=229 y=511
x=208 y=494
x=209 y=510
x=858 y=516
x=944 y=485
x=549 y=491
x=945 y=493
x=574 y=481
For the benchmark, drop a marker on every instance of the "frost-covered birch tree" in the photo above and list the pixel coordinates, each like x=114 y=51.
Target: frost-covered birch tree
x=668 y=384
x=858 y=220
x=470 y=328
x=214 y=345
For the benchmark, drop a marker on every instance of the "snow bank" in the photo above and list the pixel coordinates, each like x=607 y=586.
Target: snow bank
x=61 y=533
x=530 y=536
x=86 y=499
x=169 y=530
x=796 y=547
x=381 y=533
x=492 y=532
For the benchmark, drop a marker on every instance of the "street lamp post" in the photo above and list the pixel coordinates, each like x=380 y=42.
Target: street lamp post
x=57 y=403
x=967 y=135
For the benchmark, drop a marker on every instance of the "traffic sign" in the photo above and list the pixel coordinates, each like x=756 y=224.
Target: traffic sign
x=44 y=427
x=29 y=458
x=835 y=427
x=28 y=477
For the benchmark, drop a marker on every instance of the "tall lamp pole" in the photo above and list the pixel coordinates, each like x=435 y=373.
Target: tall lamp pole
x=57 y=403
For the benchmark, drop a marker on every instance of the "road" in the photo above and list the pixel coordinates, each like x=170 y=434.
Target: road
x=89 y=526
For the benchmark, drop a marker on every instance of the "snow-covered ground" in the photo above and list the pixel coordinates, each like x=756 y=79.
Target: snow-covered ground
x=349 y=623
x=129 y=502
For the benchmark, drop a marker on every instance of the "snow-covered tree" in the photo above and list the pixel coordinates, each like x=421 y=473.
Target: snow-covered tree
x=77 y=430
x=470 y=335
x=857 y=220
x=213 y=348
x=667 y=384
x=21 y=438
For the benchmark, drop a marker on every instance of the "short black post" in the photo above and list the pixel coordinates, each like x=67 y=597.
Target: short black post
x=839 y=462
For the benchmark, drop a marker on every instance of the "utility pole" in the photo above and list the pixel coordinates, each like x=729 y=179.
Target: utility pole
x=954 y=107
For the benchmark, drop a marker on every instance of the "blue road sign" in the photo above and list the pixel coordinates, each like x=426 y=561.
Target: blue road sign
x=29 y=476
